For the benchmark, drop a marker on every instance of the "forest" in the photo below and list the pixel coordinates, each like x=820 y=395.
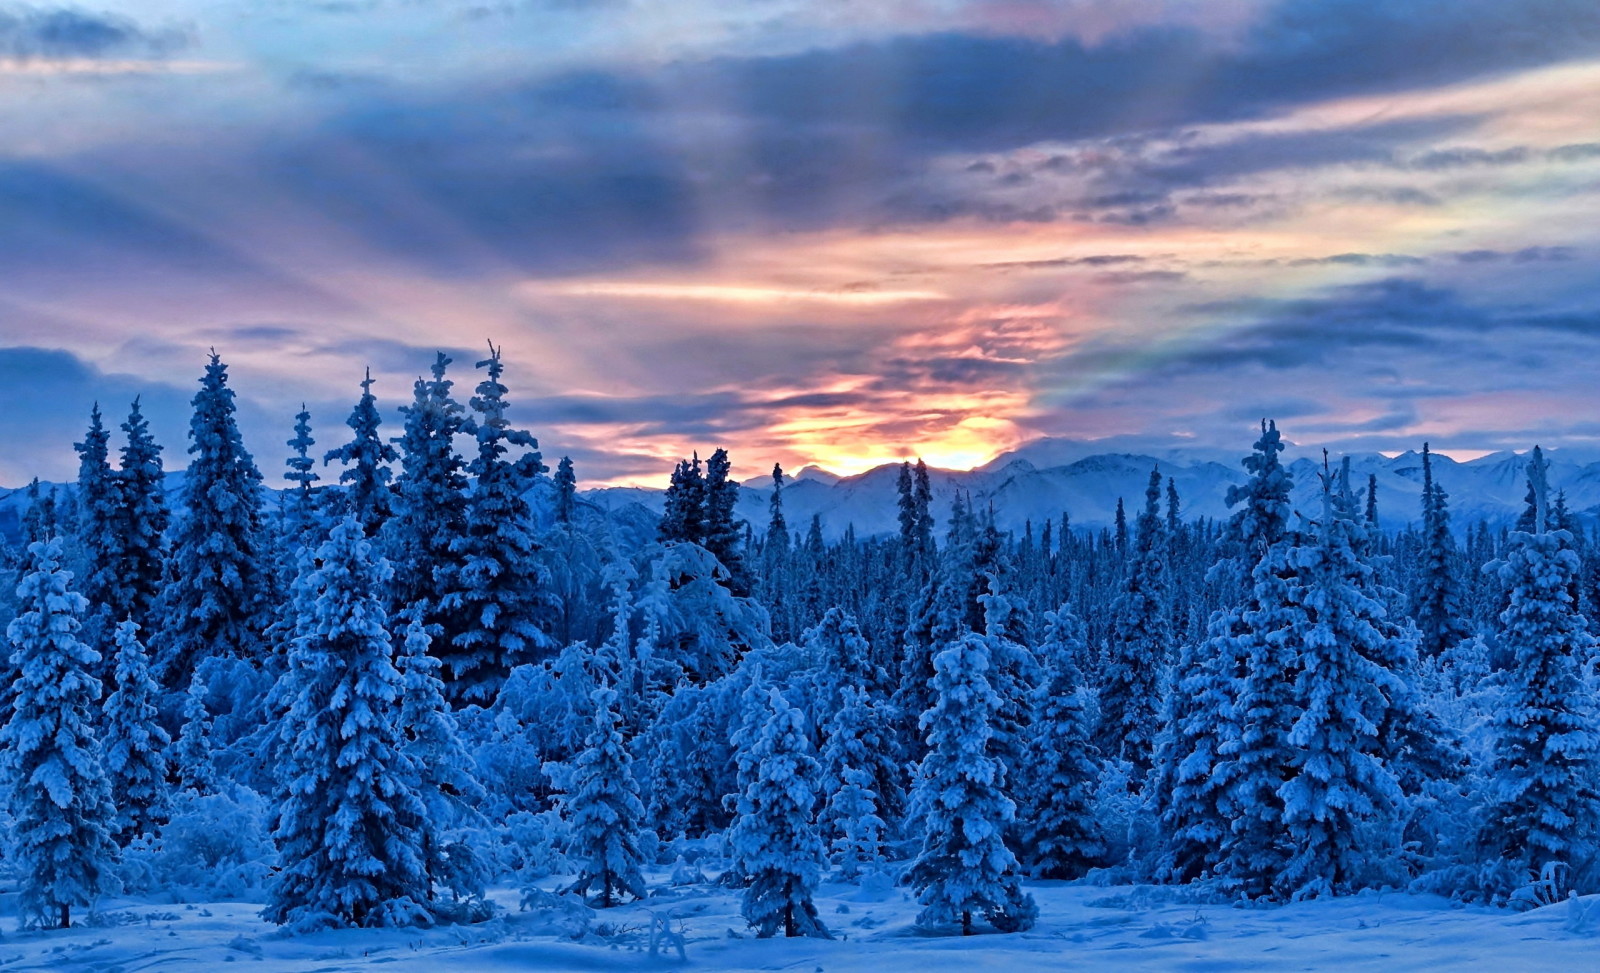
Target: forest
x=367 y=700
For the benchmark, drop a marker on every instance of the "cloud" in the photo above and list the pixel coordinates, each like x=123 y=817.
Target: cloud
x=64 y=33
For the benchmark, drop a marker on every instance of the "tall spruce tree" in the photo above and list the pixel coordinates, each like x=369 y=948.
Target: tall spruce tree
x=1543 y=801
x=775 y=835
x=566 y=491
x=135 y=742
x=299 y=501
x=1201 y=766
x=1130 y=690
x=214 y=598
x=431 y=505
x=97 y=539
x=1340 y=802
x=603 y=811
x=366 y=494
x=1060 y=833
x=1436 y=603
x=349 y=819
x=964 y=870
x=61 y=812
x=722 y=532
x=856 y=768
x=498 y=590
x=684 y=516
x=142 y=520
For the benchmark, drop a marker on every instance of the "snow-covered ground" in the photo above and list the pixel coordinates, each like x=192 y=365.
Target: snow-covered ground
x=1080 y=927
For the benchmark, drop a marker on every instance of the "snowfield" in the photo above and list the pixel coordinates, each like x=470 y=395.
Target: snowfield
x=1080 y=927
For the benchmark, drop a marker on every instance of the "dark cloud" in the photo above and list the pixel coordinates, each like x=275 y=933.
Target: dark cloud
x=1142 y=277
x=1359 y=260
x=1457 y=158
x=29 y=33
x=1400 y=314
x=986 y=92
x=1091 y=260
x=1522 y=256
x=1393 y=195
x=602 y=167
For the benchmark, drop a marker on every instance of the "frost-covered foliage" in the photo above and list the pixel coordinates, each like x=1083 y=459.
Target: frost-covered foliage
x=365 y=493
x=98 y=544
x=348 y=822
x=1205 y=754
x=862 y=780
x=496 y=591
x=1543 y=799
x=214 y=600
x=140 y=523
x=445 y=784
x=603 y=810
x=1061 y=835
x=1436 y=603
x=192 y=757
x=964 y=870
x=695 y=627
x=62 y=817
x=1130 y=686
x=135 y=742
x=1341 y=802
x=775 y=838
x=216 y=844
x=431 y=502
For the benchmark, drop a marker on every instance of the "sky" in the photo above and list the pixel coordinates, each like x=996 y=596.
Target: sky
x=820 y=232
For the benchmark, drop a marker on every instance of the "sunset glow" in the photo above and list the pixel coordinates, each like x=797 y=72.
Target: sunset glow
x=836 y=238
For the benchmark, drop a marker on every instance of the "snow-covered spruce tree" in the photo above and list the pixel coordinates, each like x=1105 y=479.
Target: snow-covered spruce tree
x=723 y=536
x=214 y=598
x=299 y=501
x=191 y=758
x=96 y=537
x=1340 y=802
x=135 y=742
x=1130 y=688
x=964 y=870
x=602 y=809
x=496 y=590
x=431 y=740
x=349 y=814
x=1257 y=755
x=775 y=836
x=61 y=811
x=365 y=493
x=1436 y=601
x=566 y=491
x=683 y=517
x=141 y=523
x=1016 y=678
x=1201 y=762
x=855 y=754
x=1060 y=834
x=1543 y=802
x=431 y=504
x=854 y=806
x=841 y=657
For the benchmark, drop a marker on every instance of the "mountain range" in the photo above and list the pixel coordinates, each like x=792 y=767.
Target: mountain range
x=1048 y=478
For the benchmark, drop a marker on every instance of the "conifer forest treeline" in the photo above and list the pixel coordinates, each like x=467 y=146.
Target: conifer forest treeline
x=369 y=697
